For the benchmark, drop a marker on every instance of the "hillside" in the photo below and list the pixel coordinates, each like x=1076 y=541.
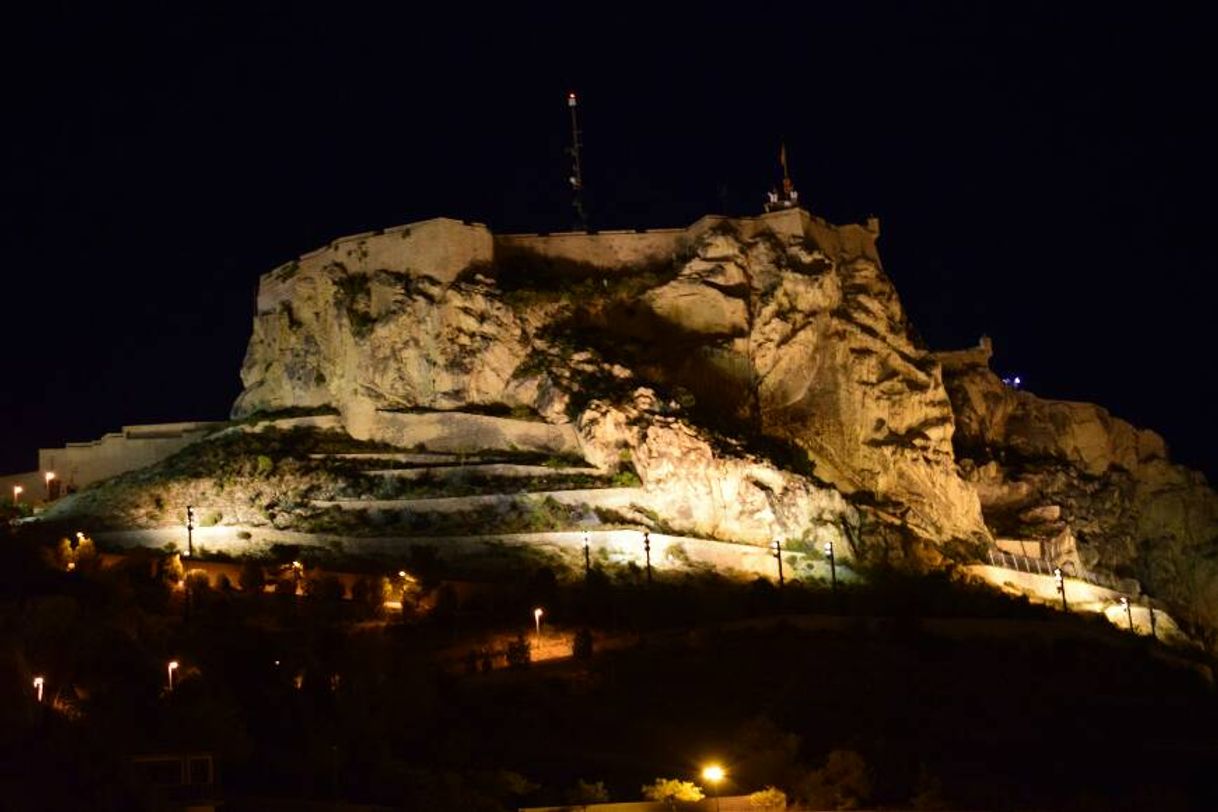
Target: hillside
x=739 y=381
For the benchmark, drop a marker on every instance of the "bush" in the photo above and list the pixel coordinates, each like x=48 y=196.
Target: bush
x=519 y=653
x=582 y=648
x=843 y=783
x=251 y=578
x=325 y=587
x=198 y=582
x=371 y=592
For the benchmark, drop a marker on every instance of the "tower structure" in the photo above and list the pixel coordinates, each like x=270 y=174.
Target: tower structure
x=576 y=177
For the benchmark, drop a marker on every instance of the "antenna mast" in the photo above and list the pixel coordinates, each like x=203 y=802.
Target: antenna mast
x=577 y=176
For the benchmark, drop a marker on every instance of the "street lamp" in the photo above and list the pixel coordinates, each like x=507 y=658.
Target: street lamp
x=537 y=613
x=776 y=546
x=587 y=554
x=190 y=530
x=49 y=475
x=1061 y=587
x=832 y=564
x=713 y=774
x=38 y=683
x=173 y=666
x=1128 y=611
x=647 y=552
x=17 y=491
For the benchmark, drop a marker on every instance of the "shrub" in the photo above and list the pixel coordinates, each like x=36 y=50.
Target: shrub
x=587 y=792
x=768 y=798
x=325 y=587
x=519 y=653
x=198 y=582
x=582 y=648
x=251 y=578
x=211 y=518
x=626 y=479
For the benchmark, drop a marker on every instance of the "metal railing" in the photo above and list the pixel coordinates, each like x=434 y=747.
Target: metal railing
x=1039 y=566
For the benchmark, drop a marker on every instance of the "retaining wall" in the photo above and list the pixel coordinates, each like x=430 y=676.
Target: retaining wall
x=80 y=464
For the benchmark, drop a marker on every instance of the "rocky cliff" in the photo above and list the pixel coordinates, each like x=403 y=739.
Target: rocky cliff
x=757 y=373
x=1095 y=490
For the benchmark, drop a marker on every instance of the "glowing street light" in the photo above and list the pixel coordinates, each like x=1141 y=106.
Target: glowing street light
x=17 y=491
x=1128 y=611
x=49 y=475
x=832 y=564
x=1061 y=587
x=713 y=774
x=537 y=613
x=38 y=683
x=173 y=666
x=190 y=531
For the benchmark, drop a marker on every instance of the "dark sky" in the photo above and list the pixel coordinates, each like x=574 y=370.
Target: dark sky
x=1043 y=174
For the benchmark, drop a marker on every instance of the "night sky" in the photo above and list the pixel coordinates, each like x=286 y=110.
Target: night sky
x=1045 y=175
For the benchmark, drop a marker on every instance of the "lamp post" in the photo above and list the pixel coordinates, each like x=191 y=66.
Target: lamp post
x=587 y=554
x=190 y=530
x=1128 y=611
x=776 y=546
x=713 y=774
x=1061 y=587
x=647 y=552
x=173 y=666
x=832 y=565
x=537 y=613
x=17 y=491
x=38 y=683
x=49 y=475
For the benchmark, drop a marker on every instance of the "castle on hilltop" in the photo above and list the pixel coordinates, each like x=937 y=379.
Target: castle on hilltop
x=443 y=247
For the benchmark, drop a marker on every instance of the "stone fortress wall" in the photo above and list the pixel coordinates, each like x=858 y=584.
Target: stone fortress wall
x=442 y=247
x=79 y=464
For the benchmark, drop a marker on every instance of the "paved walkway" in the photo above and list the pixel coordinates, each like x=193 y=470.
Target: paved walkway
x=609 y=545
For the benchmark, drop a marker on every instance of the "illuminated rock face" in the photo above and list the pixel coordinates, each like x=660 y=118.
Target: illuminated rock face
x=1050 y=470
x=780 y=331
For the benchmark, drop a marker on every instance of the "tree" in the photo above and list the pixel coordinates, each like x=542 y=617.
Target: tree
x=584 y=793
x=671 y=791
x=519 y=653
x=768 y=798
x=326 y=587
x=843 y=783
x=172 y=569
x=582 y=648
x=371 y=592
x=251 y=578
x=928 y=794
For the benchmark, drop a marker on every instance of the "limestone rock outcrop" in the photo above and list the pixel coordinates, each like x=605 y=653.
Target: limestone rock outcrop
x=1098 y=491
x=782 y=330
